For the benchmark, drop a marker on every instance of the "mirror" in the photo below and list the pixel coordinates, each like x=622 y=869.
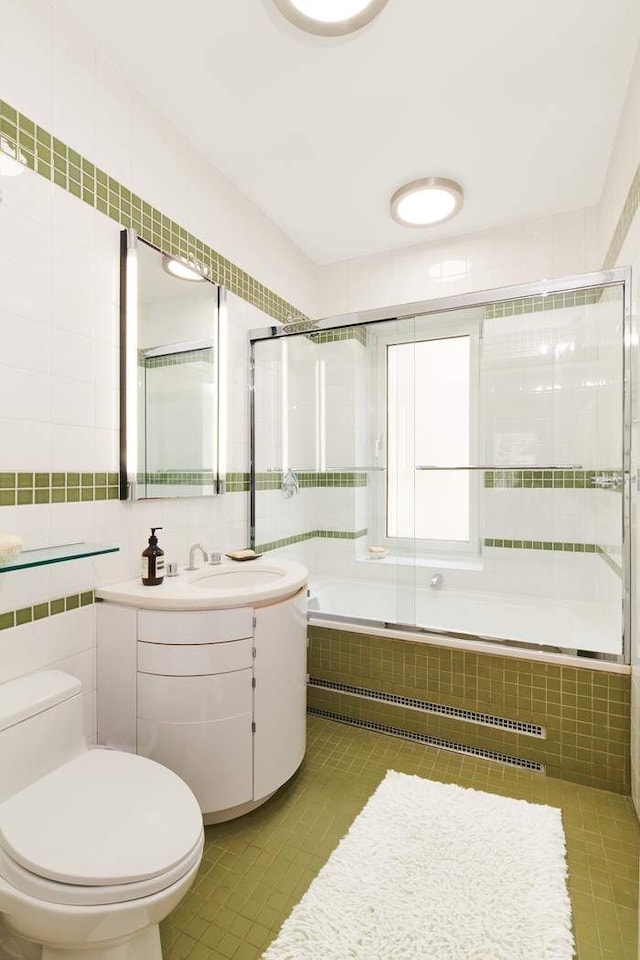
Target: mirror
x=170 y=375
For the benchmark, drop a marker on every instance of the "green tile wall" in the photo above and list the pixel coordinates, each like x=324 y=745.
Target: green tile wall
x=586 y=712
x=64 y=166
x=49 y=608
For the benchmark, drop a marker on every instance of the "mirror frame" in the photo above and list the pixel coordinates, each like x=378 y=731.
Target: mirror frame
x=129 y=396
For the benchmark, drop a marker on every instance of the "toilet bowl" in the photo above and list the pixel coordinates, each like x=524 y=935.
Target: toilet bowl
x=96 y=846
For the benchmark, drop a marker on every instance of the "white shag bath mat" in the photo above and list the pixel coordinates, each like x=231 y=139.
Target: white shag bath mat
x=437 y=872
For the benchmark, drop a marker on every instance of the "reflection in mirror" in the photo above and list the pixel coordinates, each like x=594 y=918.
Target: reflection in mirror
x=170 y=360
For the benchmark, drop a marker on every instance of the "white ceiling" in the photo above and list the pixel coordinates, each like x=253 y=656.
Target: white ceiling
x=518 y=101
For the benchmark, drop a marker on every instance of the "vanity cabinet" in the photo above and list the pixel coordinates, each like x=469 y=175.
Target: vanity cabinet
x=218 y=696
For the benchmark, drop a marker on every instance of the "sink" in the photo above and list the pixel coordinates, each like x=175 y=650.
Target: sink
x=237 y=579
x=227 y=585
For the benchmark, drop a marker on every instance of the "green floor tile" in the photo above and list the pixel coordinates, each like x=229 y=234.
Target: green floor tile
x=255 y=869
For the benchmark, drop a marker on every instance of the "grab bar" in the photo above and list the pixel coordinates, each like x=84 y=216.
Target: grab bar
x=503 y=466
x=320 y=470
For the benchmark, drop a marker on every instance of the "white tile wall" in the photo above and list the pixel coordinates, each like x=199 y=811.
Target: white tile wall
x=59 y=263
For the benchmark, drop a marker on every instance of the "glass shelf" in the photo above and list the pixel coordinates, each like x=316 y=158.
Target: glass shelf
x=46 y=555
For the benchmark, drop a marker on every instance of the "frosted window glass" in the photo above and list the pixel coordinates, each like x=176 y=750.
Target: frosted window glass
x=428 y=391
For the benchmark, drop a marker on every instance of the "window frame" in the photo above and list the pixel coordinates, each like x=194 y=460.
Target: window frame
x=424 y=329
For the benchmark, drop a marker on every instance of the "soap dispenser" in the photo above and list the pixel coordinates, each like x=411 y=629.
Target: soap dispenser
x=153 y=561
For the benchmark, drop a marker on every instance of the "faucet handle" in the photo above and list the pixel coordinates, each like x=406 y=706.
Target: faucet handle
x=215 y=557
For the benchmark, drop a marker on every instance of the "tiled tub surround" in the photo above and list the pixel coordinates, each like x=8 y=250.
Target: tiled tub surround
x=583 y=711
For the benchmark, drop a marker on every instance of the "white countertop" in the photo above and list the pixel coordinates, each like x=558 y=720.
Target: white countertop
x=221 y=589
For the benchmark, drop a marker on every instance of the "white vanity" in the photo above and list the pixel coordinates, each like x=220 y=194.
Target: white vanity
x=206 y=674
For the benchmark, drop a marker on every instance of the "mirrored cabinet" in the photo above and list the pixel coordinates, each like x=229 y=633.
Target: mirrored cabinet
x=170 y=328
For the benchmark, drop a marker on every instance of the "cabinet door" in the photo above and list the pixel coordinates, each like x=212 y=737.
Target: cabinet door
x=213 y=758
x=280 y=695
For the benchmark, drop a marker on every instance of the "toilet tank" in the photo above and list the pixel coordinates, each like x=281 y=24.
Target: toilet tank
x=41 y=727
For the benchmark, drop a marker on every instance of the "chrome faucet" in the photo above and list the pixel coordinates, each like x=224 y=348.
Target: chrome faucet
x=436 y=581
x=192 y=555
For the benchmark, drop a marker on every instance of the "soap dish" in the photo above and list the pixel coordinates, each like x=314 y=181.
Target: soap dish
x=243 y=555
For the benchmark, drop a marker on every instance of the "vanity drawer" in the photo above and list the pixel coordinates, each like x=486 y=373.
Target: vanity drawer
x=205 y=626
x=190 y=699
x=194 y=660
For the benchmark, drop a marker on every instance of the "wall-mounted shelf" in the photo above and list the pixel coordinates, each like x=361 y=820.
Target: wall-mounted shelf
x=46 y=555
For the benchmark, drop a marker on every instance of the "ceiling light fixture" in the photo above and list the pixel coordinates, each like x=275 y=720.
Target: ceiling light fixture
x=423 y=203
x=183 y=269
x=11 y=162
x=330 y=18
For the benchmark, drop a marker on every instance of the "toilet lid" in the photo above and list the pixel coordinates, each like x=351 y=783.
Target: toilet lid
x=105 y=817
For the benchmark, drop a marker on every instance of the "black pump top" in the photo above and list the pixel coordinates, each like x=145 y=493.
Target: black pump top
x=153 y=540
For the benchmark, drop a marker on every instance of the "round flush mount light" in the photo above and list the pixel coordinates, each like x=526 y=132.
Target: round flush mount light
x=423 y=203
x=330 y=18
x=11 y=163
x=183 y=269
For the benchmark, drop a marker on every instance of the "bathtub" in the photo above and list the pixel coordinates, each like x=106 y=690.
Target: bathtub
x=565 y=626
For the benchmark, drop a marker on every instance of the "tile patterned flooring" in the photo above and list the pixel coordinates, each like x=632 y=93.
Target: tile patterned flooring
x=256 y=868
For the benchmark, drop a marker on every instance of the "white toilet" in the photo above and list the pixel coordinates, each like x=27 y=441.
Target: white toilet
x=96 y=846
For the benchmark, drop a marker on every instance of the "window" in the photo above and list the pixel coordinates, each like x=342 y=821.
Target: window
x=429 y=399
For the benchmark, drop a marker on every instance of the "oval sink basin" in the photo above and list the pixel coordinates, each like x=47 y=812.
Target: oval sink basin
x=237 y=579
x=230 y=584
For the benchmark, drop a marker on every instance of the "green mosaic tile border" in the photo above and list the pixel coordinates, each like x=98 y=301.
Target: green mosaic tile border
x=18 y=489
x=39 y=611
x=549 y=479
x=555 y=301
x=628 y=212
x=176 y=478
x=204 y=354
x=272 y=480
x=54 y=160
x=554 y=545
x=358 y=333
x=311 y=535
x=586 y=712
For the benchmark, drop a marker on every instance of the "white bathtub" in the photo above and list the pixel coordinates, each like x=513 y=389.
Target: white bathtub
x=569 y=625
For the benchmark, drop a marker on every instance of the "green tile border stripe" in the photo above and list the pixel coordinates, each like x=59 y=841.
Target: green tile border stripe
x=311 y=535
x=21 y=488
x=49 y=608
x=203 y=354
x=551 y=479
x=554 y=301
x=554 y=545
x=628 y=212
x=54 y=160
x=358 y=333
x=272 y=479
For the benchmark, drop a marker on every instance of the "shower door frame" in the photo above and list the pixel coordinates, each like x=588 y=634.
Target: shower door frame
x=615 y=276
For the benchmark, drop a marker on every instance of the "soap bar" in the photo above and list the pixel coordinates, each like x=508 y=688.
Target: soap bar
x=243 y=555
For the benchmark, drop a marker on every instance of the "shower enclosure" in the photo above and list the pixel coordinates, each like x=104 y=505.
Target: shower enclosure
x=458 y=466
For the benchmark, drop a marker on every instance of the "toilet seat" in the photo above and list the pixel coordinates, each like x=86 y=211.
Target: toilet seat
x=106 y=827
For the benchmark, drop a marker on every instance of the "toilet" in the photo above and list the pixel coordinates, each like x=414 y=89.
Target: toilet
x=97 y=846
